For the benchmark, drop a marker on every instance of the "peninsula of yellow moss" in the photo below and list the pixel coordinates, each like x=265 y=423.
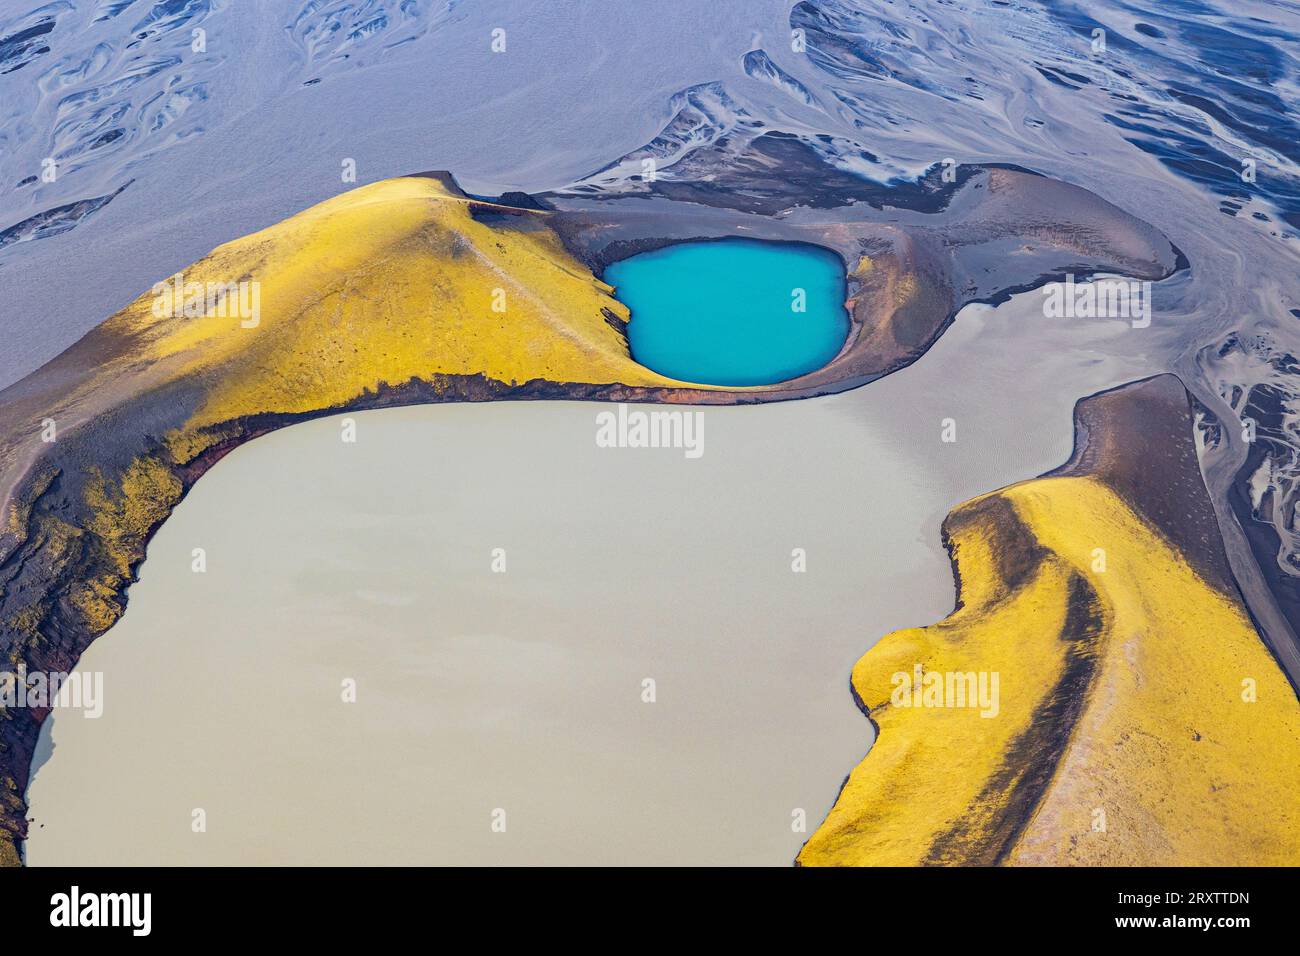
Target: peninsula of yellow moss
x=1140 y=719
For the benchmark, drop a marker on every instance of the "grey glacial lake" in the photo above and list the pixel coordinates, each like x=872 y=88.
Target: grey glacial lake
x=522 y=691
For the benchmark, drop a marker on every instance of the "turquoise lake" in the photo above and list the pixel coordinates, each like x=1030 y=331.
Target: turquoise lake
x=725 y=311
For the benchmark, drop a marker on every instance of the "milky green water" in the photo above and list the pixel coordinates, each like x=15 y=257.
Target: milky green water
x=733 y=311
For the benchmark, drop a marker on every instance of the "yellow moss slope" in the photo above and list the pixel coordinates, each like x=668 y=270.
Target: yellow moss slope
x=1159 y=758
x=378 y=286
x=382 y=284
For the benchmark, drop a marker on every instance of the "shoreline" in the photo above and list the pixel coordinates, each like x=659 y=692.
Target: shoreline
x=872 y=567
x=73 y=576
x=1014 y=814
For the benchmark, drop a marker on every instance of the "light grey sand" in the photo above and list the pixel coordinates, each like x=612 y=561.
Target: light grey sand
x=522 y=690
